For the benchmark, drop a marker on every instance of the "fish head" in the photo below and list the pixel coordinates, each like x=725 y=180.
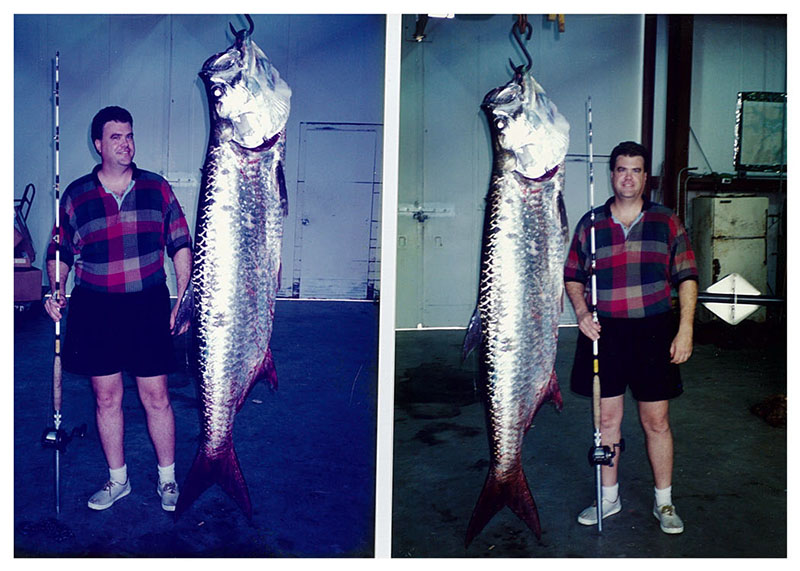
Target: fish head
x=530 y=136
x=248 y=99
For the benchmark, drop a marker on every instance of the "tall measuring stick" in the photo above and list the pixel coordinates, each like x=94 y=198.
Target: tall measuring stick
x=595 y=345
x=599 y=455
x=56 y=295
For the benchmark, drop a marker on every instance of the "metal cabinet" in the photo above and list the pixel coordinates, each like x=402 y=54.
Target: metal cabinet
x=730 y=235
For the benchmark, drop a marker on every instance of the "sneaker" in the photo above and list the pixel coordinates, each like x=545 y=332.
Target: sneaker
x=589 y=515
x=669 y=520
x=110 y=493
x=169 y=495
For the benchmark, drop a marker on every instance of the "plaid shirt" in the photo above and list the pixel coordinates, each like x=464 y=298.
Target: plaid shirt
x=120 y=249
x=635 y=274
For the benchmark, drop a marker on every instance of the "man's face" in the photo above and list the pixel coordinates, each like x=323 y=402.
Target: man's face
x=628 y=177
x=116 y=147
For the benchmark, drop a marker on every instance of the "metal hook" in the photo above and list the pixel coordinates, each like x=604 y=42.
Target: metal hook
x=242 y=33
x=518 y=69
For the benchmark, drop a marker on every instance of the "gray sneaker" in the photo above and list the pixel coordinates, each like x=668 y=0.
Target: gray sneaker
x=168 y=493
x=110 y=493
x=589 y=515
x=670 y=521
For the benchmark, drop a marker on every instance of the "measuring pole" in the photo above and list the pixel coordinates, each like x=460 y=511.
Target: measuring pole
x=56 y=296
x=595 y=344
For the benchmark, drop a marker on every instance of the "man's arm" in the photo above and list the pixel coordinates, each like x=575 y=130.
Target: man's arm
x=586 y=324
x=681 y=348
x=182 y=261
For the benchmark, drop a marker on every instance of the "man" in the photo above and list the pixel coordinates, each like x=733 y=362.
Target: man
x=642 y=252
x=115 y=224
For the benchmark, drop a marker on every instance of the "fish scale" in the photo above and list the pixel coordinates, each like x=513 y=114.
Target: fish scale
x=515 y=324
x=235 y=275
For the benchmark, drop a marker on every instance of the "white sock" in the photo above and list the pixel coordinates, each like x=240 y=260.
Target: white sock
x=663 y=497
x=166 y=473
x=611 y=493
x=119 y=475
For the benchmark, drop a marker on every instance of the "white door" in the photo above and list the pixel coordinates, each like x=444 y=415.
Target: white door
x=337 y=215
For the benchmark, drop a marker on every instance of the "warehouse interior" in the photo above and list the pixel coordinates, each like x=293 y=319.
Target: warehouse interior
x=307 y=449
x=678 y=84
x=701 y=91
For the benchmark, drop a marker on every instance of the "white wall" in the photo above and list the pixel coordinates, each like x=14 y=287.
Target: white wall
x=733 y=54
x=149 y=64
x=730 y=54
x=445 y=150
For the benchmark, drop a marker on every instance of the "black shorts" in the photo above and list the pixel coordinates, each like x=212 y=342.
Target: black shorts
x=113 y=332
x=631 y=353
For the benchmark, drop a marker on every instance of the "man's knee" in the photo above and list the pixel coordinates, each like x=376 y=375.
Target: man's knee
x=154 y=394
x=108 y=392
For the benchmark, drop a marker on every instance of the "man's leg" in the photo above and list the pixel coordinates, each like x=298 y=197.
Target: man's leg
x=154 y=395
x=655 y=421
x=108 y=390
x=611 y=411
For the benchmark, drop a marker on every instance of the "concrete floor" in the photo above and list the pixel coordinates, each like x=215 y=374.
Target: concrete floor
x=730 y=478
x=306 y=451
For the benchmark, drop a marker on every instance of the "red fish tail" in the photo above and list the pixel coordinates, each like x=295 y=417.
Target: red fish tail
x=223 y=470
x=496 y=494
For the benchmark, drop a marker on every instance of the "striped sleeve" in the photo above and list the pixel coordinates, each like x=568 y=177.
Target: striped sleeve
x=176 y=230
x=576 y=267
x=682 y=261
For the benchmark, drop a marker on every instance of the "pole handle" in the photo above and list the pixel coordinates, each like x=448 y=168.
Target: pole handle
x=57 y=382
x=596 y=401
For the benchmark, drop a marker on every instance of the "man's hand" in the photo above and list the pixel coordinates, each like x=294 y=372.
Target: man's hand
x=172 y=316
x=586 y=323
x=54 y=304
x=588 y=326
x=681 y=348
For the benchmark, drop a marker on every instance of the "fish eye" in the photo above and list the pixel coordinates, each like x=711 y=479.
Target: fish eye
x=218 y=91
x=500 y=123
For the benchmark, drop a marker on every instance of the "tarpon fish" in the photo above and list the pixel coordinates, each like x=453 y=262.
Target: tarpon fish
x=515 y=324
x=235 y=275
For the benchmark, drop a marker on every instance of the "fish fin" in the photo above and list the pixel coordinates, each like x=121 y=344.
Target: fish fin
x=562 y=212
x=185 y=309
x=282 y=189
x=554 y=391
x=264 y=372
x=512 y=492
x=267 y=371
x=223 y=470
x=473 y=336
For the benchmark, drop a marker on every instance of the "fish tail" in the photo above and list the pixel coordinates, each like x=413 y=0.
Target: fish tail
x=473 y=337
x=223 y=470
x=496 y=494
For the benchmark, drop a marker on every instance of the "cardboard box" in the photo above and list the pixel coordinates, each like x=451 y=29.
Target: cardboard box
x=27 y=284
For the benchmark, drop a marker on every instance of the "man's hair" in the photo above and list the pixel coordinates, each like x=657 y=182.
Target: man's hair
x=107 y=114
x=629 y=149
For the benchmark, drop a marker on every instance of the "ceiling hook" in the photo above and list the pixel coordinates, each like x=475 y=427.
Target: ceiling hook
x=515 y=30
x=242 y=32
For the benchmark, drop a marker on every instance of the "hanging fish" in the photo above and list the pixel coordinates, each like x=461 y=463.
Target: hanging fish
x=235 y=276
x=515 y=324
